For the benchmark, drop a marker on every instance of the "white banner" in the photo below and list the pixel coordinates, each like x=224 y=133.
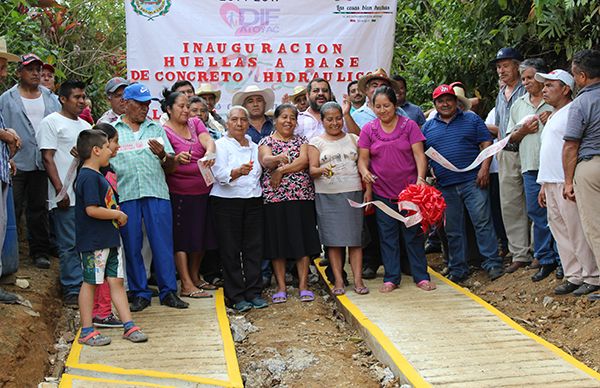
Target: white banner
x=271 y=43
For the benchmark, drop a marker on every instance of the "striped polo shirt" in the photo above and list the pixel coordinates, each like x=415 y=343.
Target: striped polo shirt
x=458 y=141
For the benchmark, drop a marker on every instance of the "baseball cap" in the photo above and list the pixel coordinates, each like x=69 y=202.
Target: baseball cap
x=443 y=89
x=114 y=84
x=138 y=92
x=47 y=66
x=507 y=53
x=28 y=59
x=559 y=75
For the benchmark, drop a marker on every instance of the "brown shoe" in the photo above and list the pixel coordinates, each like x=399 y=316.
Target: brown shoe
x=535 y=264
x=515 y=265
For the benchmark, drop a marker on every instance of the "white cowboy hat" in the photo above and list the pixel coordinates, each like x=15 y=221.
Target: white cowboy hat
x=377 y=74
x=4 y=52
x=208 y=89
x=253 y=90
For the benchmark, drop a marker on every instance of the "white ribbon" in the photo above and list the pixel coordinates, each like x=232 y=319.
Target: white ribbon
x=402 y=205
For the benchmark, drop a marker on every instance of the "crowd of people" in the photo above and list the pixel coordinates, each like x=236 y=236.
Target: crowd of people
x=266 y=188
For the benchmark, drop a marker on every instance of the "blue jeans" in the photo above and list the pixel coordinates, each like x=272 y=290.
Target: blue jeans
x=389 y=238
x=544 y=248
x=477 y=202
x=158 y=219
x=71 y=272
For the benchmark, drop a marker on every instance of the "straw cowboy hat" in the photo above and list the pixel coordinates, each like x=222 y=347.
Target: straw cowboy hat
x=298 y=90
x=253 y=90
x=459 y=91
x=377 y=74
x=208 y=89
x=4 y=53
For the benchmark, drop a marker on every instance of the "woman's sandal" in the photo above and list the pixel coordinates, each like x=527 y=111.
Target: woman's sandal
x=426 y=285
x=94 y=339
x=279 y=297
x=361 y=290
x=135 y=334
x=206 y=285
x=306 y=296
x=387 y=287
x=338 y=291
x=199 y=294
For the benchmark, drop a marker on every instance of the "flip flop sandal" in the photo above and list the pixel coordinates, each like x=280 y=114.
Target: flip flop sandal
x=338 y=291
x=135 y=334
x=426 y=285
x=200 y=294
x=387 y=287
x=280 y=297
x=306 y=296
x=206 y=285
x=361 y=290
x=94 y=339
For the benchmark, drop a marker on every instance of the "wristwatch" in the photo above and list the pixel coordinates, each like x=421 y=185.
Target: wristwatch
x=164 y=159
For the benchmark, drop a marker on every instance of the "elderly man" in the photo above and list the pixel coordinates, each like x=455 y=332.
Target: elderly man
x=10 y=142
x=512 y=193
x=581 y=271
x=357 y=99
x=297 y=97
x=212 y=97
x=581 y=151
x=463 y=189
x=56 y=138
x=367 y=86
x=318 y=92
x=114 y=93
x=23 y=107
x=144 y=195
x=256 y=101
x=413 y=111
x=525 y=133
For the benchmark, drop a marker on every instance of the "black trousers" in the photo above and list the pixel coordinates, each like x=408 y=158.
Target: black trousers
x=30 y=189
x=239 y=226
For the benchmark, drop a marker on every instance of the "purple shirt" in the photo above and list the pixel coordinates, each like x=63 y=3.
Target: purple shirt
x=187 y=179
x=392 y=160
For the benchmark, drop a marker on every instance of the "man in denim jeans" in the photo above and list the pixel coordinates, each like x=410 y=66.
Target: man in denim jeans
x=460 y=136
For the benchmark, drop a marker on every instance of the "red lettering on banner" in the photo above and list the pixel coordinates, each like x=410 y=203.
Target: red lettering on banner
x=236 y=48
x=209 y=48
x=197 y=47
x=323 y=63
x=268 y=76
x=322 y=48
x=140 y=75
x=303 y=77
x=279 y=63
x=339 y=62
x=266 y=48
x=212 y=62
x=221 y=47
x=337 y=48
x=225 y=62
x=202 y=77
x=327 y=75
x=252 y=61
x=199 y=61
x=307 y=45
x=169 y=62
x=186 y=48
x=353 y=62
x=282 y=49
x=309 y=62
x=185 y=61
x=155 y=114
x=295 y=48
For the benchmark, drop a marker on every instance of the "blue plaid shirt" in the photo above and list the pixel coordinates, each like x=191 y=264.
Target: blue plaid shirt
x=4 y=157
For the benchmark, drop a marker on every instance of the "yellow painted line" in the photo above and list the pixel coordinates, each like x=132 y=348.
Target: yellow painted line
x=411 y=374
x=66 y=381
x=555 y=349
x=233 y=372
x=233 y=369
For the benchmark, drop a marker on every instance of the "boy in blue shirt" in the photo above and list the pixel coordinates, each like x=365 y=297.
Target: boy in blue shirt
x=98 y=219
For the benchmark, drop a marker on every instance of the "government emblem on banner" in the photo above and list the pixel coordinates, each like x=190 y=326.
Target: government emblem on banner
x=151 y=9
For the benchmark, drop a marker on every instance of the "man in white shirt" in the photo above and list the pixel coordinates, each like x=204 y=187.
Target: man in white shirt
x=56 y=137
x=581 y=272
x=23 y=107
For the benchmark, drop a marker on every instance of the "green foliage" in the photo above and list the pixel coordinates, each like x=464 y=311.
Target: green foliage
x=83 y=39
x=441 y=41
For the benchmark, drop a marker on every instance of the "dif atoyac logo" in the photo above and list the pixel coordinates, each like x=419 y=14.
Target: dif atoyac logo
x=250 y=21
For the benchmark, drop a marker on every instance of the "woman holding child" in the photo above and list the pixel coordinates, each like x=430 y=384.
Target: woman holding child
x=192 y=227
x=288 y=192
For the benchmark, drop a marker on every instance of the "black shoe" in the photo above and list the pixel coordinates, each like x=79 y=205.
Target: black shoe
x=565 y=288
x=71 y=300
x=495 y=273
x=560 y=273
x=173 y=300
x=8 y=297
x=41 y=262
x=544 y=272
x=456 y=279
x=369 y=273
x=585 y=289
x=138 y=304
x=432 y=248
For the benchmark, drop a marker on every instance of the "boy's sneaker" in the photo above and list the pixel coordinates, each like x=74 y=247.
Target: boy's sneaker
x=110 y=321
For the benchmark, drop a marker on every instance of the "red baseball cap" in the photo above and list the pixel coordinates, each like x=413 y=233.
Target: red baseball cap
x=47 y=66
x=443 y=89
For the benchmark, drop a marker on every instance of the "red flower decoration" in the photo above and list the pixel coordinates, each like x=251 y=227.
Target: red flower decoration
x=430 y=203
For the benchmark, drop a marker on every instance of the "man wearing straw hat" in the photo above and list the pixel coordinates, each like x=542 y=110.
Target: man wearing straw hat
x=212 y=97
x=298 y=98
x=9 y=143
x=257 y=101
